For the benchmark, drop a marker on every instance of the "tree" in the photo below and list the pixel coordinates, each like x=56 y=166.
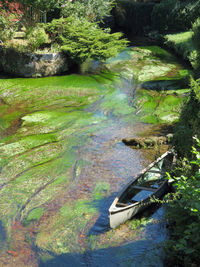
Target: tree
x=93 y=10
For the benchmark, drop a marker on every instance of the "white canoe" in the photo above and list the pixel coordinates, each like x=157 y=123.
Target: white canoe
x=136 y=195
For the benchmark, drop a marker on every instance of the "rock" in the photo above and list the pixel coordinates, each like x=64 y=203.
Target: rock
x=142 y=142
x=32 y=64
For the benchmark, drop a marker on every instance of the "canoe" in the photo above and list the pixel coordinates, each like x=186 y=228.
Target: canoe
x=150 y=183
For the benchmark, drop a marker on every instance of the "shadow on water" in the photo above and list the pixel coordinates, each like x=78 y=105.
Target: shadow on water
x=173 y=84
x=102 y=223
x=145 y=251
x=2 y=236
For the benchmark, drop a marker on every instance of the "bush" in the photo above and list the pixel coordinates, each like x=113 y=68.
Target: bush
x=36 y=36
x=189 y=122
x=196 y=33
x=184 y=45
x=175 y=15
x=8 y=26
x=92 y=10
x=184 y=245
x=133 y=17
x=81 y=39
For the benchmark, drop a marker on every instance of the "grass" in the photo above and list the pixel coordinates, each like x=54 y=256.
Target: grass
x=183 y=44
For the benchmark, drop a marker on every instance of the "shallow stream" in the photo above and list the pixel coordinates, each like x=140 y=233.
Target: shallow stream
x=63 y=160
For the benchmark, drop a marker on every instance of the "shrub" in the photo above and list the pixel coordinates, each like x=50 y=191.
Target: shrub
x=8 y=26
x=184 y=45
x=196 y=33
x=184 y=244
x=133 y=17
x=36 y=36
x=93 y=10
x=189 y=122
x=81 y=39
x=175 y=15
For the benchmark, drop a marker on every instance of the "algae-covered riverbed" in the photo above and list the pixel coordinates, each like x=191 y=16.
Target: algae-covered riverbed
x=63 y=162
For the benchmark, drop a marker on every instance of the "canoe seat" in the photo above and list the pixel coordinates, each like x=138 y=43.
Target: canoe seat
x=144 y=188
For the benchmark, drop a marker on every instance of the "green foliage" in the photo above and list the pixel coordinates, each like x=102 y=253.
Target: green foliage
x=189 y=123
x=81 y=39
x=184 y=245
x=196 y=33
x=175 y=15
x=132 y=17
x=8 y=26
x=93 y=10
x=135 y=224
x=184 y=45
x=36 y=36
x=161 y=15
x=196 y=41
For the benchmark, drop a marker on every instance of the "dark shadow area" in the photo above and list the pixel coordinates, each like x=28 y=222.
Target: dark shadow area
x=165 y=85
x=102 y=224
x=3 y=239
x=145 y=252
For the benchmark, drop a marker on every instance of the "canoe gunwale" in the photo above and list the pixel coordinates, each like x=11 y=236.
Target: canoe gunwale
x=113 y=209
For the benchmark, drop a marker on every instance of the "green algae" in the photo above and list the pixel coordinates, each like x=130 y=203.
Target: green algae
x=111 y=104
x=51 y=121
x=41 y=160
x=70 y=220
x=30 y=159
x=27 y=143
x=101 y=189
x=147 y=63
x=34 y=215
x=159 y=107
x=80 y=163
x=152 y=72
x=65 y=92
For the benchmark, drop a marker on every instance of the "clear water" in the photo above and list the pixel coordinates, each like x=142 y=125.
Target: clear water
x=63 y=162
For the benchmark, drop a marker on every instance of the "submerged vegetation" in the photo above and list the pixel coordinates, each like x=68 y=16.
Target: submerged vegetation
x=59 y=152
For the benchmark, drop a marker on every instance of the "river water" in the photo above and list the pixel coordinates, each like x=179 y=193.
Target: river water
x=63 y=160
